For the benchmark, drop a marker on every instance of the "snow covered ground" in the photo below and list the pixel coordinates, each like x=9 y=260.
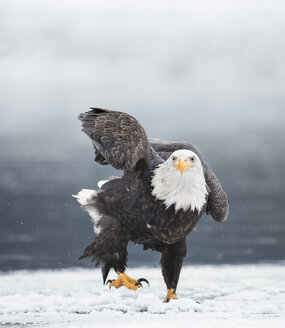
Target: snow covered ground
x=228 y=296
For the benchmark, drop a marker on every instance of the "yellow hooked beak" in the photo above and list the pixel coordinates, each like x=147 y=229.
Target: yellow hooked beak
x=182 y=165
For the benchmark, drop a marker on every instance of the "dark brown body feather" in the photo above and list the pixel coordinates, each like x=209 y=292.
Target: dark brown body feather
x=130 y=212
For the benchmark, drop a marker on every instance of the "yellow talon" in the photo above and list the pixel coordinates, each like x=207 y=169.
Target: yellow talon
x=124 y=280
x=170 y=295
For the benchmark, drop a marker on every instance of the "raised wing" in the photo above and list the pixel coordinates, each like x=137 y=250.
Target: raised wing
x=118 y=138
x=218 y=204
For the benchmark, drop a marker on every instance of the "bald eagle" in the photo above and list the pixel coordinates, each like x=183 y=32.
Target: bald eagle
x=165 y=189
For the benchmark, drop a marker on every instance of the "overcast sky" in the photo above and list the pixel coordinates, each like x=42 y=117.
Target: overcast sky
x=175 y=65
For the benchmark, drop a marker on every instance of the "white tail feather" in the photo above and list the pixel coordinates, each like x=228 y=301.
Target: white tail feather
x=84 y=197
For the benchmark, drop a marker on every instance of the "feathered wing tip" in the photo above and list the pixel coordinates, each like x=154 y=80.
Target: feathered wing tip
x=107 y=251
x=92 y=112
x=118 y=138
x=105 y=272
x=90 y=251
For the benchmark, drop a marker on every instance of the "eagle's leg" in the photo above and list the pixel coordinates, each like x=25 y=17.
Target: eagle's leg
x=124 y=280
x=171 y=263
x=111 y=251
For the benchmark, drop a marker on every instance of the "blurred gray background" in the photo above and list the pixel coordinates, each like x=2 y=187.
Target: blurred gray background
x=209 y=72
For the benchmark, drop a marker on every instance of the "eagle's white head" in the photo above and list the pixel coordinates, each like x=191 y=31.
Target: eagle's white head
x=180 y=180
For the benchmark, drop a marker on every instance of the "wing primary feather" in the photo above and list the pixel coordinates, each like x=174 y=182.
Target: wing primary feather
x=118 y=138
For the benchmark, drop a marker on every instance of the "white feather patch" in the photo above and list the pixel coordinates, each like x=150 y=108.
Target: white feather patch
x=85 y=197
x=186 y=191
x=101 y=183
x=95 y=218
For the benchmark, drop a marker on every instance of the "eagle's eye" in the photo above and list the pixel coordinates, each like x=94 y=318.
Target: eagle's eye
x=192 y=159
x=174 y=158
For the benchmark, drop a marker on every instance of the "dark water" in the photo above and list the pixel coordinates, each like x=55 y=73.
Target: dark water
x=42 y=226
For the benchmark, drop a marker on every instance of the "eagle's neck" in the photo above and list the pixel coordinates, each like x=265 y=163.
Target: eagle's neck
x=186 y=191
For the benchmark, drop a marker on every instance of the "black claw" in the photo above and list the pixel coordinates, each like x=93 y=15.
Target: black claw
x=142 y=279
x=109 y=281
x=167 y=300
x=138 y=284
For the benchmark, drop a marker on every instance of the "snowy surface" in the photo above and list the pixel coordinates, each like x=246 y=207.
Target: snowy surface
x=228 y=296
